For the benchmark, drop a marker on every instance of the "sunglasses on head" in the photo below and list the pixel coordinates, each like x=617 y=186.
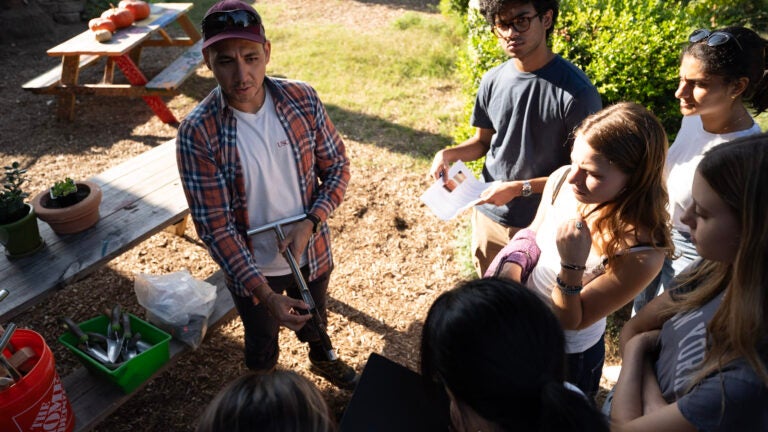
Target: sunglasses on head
x=218 y=22
x=713 y=39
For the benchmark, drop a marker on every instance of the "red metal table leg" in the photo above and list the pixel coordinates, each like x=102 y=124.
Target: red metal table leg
x=135 y=77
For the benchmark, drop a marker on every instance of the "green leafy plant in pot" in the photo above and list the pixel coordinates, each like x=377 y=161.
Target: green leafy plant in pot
x=64 y=192
x=68 y=206
x=19 y=233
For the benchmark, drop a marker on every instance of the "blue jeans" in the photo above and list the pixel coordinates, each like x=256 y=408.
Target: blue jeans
x=261 y=330
x=586 y=368
x=686 y=252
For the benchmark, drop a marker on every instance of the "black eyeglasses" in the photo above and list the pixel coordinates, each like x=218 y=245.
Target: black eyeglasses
x=520 y=24
x=217 y=22
x=713 y=39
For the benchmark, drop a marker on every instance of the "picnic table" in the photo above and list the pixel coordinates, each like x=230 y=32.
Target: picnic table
x=141 y=196
x=124 y=50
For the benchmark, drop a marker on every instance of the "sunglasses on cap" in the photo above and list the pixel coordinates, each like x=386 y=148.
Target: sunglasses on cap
x=218 y=22
x=713 y=39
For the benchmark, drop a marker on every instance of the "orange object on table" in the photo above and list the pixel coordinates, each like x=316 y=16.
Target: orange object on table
x=123 y=50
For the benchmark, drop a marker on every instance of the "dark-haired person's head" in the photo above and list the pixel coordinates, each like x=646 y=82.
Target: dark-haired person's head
x=498 y=350
x=232 y=19
x=735 y=55
x=281 y=401
x=237 y=51
x=491 y=9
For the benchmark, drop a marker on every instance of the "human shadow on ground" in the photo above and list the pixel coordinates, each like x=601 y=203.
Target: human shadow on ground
x=400 y=346
x=382 y=133
x=417 y=5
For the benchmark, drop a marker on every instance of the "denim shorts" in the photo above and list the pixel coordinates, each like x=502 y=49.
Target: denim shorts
x=586 y=368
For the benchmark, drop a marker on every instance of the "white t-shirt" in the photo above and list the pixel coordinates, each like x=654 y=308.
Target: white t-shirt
x=271 y=182
x=684 y=156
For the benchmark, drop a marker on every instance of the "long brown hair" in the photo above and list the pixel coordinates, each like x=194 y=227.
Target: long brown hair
x=631 y=138
x=738 y=172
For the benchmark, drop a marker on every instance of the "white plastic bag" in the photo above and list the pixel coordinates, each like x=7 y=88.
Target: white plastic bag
x=177 y=303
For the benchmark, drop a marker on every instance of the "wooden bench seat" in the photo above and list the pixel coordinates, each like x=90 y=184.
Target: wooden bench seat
x=44 y=82
x=93 y=398
x=171 y=77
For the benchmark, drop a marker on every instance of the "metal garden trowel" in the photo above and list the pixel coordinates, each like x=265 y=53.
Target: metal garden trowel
x=83 y=342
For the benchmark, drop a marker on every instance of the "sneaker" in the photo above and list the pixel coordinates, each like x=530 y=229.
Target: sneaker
x=336 y=371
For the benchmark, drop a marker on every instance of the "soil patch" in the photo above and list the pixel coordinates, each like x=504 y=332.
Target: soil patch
x=392 y=256
x=392 y=260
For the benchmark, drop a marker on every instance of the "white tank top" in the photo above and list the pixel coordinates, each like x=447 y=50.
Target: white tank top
x=542 y=278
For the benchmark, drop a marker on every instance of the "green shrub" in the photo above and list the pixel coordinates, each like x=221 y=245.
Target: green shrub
x=748 y=13
x=630 y=49
x=454 y=6
x=483 y=52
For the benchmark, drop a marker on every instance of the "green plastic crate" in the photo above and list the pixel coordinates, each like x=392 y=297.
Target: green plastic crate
x=132 y=373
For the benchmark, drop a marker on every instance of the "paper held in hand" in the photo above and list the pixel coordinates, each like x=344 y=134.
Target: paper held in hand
x=458 y=192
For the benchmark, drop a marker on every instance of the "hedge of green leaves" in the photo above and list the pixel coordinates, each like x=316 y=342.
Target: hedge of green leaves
x=630 y=49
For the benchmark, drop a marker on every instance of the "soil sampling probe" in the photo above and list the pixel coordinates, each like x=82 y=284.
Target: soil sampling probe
x=306 y=296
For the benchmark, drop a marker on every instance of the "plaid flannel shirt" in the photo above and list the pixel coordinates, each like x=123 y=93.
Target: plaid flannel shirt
x=212 y=177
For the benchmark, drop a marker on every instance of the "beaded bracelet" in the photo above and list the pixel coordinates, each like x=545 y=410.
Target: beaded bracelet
x=568 y=289
x=572 y=266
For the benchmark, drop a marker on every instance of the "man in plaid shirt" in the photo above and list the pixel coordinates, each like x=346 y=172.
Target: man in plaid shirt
x=254 y=151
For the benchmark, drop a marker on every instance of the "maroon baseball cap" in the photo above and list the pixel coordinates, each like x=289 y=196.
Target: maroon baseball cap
x=229 y=19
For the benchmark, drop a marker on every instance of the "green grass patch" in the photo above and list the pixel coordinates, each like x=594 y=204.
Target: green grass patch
x=464 y=252
x=392 y=85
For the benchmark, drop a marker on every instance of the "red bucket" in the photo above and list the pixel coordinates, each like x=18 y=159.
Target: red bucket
x=37 y=402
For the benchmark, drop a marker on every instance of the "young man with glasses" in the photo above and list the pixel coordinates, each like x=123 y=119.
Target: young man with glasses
x=525 y=112
x=258 y=150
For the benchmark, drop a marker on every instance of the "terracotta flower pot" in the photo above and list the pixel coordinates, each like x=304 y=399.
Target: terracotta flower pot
x=74 y=218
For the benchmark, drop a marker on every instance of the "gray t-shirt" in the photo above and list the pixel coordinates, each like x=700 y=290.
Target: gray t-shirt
x=534 y=115
x=735 y=399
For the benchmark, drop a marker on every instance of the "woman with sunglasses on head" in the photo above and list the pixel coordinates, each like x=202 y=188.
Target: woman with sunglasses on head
x=696 y=357
x=600 y=234
x=719 y=70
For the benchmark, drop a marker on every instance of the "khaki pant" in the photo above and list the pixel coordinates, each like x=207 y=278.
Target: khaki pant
x=488 y=239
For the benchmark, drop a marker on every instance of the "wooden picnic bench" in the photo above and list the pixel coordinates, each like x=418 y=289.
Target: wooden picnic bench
x=124 y=50
x=141 y=197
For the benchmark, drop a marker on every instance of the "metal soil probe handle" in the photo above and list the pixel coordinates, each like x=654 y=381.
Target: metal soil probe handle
x=306 y=296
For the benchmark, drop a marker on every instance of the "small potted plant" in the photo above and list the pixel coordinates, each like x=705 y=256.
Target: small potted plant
x=19 y=233
x=64 y=193
x=68 y=206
